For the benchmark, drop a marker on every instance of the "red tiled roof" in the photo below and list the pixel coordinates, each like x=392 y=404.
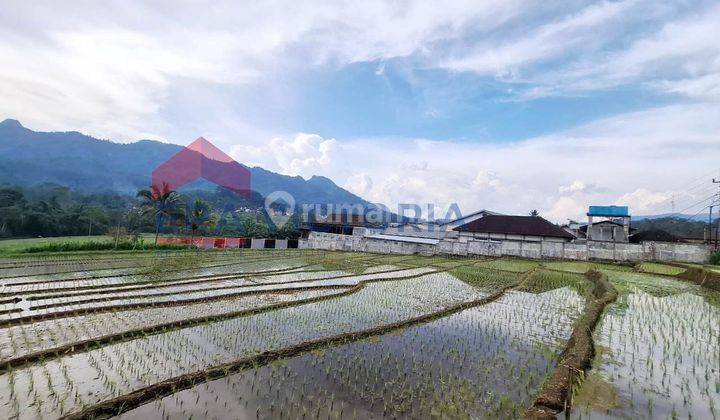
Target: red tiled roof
x=515 y=225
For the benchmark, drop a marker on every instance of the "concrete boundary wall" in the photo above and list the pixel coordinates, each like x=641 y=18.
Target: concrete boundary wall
x=608 y=251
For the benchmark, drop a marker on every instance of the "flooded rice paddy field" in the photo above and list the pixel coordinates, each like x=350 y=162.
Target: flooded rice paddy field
x=659 y=353
x=301 y=334
x=483 y=361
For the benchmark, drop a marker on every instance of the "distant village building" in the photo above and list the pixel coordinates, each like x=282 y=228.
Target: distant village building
x=434 y=229
x=486 y=233
x=339 y=223
x=608 y=231
x=575 y=229
x=482 y=225
x=614 y=226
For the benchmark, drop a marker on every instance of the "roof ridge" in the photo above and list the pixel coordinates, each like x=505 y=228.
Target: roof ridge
x=515 y=225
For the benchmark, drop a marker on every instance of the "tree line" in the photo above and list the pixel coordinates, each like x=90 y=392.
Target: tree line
x=50 y=210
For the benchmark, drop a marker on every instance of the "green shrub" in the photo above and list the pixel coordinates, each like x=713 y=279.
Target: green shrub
x=715 y=258
x=99 y=246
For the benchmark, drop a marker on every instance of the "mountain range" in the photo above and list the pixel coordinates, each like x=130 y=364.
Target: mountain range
x=88 y=164
x=688 y=217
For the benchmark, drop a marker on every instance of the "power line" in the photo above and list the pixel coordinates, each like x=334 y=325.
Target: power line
x=694 y=192
x=698 y=189
x=690 y=219
x=692 y=185
x=714 y=199
x=702 y=179
x=696 y=204
x=686 y=204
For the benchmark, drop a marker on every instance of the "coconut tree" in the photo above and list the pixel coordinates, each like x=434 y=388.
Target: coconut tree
x=160 y=201
x=198 y=216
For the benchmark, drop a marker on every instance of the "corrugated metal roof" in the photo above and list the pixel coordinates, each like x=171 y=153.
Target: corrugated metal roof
x=467 y=216
x=515 y=225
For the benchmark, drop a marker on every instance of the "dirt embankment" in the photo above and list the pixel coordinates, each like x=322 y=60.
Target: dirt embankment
x=703 y=277
x=696 y=274
x=578 y=354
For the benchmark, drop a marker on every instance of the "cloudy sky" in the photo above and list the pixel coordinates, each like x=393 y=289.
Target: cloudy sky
x=507 y=105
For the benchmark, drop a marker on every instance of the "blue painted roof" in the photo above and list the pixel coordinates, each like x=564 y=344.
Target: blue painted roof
x=609 y=211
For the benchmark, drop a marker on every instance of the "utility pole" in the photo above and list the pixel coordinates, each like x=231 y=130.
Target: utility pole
x=717 y=232
x=709 y=239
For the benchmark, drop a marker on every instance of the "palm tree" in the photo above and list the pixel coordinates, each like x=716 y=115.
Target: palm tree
x=534 y=213
x=161 y=201
x=198 y=216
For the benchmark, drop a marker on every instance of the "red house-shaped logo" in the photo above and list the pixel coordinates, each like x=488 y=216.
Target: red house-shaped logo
x=201 y=159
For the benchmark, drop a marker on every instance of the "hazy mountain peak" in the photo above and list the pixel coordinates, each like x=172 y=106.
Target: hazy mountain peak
x=11 y=123
x=86 y=163
x=319 y=179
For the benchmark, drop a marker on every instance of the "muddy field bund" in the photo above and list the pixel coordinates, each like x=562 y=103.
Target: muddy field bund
x=321 y=334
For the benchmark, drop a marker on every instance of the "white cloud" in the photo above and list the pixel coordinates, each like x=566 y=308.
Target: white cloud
x=120 y=70
x=360 y=184
x=668 y=47
x=544 y=43
x=705 y=87
x=250 y=155
x=576 y=186
x=566 y=208
x=124 y=71
x=643 y=201
x=110 y=69
x=485 y=179
x=103 y=82
x=654 y=151
x=682 y=56
x=302 y=154
x=380 y=70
